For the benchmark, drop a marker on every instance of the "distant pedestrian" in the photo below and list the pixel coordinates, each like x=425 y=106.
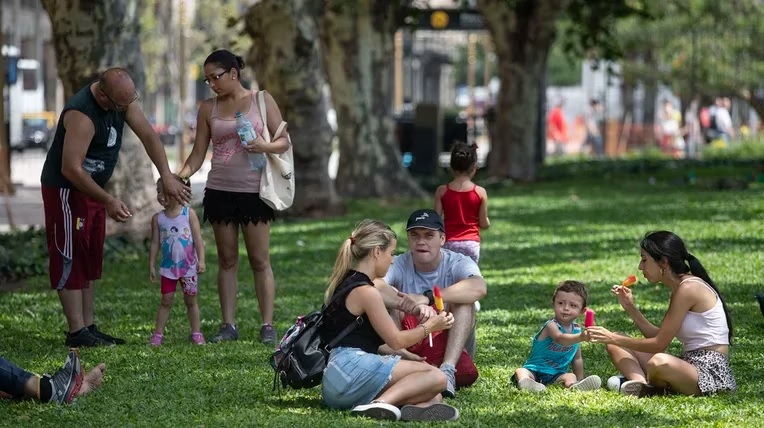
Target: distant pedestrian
x=557 y=128
x=593 y=123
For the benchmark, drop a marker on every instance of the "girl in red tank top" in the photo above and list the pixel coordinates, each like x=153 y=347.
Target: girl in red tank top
x=463 y=204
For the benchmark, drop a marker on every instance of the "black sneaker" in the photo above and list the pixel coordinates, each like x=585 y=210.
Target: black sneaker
x=66 y=382
x=227 y=332
x=433 y=412
x=267 y=334
x=760 y=299
x=97 y=333
x=641 y=389
x=85 y=339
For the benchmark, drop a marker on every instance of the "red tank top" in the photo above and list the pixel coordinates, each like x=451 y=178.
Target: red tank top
x=461 y=210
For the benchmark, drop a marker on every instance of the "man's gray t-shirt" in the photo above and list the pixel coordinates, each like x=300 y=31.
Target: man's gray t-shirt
x=453 y=268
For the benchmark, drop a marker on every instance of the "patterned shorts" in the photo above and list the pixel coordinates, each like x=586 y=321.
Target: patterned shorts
x=714 y=371
x=187 y=284
x=470 y=249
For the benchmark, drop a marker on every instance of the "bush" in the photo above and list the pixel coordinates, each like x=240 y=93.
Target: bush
x=24 y=254
x=749 y=148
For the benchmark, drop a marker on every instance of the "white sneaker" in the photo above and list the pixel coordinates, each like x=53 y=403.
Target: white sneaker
x=530 y=385
x=382 y=411
x=589 y=383
x=614 y=383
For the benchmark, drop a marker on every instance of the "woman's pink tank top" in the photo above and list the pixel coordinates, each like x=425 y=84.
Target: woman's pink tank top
x=230 y=169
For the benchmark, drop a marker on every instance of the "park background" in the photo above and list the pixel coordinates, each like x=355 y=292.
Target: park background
x=375 y=92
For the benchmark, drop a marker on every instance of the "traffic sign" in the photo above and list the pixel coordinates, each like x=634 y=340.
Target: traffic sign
x=446 y=19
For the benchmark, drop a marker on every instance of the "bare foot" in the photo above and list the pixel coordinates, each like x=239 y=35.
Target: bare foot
x=92 y=380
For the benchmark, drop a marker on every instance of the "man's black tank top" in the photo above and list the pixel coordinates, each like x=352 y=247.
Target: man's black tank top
x=103 y=151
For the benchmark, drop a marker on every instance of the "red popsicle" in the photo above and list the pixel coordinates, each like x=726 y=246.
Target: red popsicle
x=589 y=318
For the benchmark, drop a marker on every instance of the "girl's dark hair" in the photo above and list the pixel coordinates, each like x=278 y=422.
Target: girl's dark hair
x=667 y=244
x=463 y=157
x=571 y=286
x=225 y=59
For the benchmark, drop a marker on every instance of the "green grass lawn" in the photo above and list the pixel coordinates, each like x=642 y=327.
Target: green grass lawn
x=586 y=229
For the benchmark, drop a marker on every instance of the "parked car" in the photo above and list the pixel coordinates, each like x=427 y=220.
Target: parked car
x=37 y=131
x=167 y=133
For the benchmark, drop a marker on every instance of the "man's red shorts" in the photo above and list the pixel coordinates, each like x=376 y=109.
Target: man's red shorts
x=75 y=225
x=466 y=371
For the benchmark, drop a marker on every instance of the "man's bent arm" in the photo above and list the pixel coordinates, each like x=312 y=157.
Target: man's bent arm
x=466 y=291
x=389 y=294
x=79 y=132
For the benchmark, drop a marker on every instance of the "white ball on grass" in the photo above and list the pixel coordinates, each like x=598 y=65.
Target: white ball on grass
x=614 y=383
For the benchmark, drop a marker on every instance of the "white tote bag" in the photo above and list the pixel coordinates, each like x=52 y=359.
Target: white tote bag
x=277 y=180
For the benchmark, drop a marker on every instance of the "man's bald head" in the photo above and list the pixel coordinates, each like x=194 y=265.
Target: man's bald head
x=118 y=86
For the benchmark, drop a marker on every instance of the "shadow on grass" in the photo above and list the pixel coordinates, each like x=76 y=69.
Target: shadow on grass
x=291 y=400
x=575 y=416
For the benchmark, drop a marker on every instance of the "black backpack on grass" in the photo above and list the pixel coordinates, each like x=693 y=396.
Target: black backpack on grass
x=300 y=358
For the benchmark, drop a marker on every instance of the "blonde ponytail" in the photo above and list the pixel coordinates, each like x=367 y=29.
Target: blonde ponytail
x=368 y=234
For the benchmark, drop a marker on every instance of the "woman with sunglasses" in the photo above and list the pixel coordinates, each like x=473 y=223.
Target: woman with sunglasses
x=231 y=197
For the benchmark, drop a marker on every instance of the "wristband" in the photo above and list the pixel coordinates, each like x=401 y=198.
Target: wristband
x=430 y=297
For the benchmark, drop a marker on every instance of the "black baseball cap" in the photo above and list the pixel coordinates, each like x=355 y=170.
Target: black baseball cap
x=426 y=219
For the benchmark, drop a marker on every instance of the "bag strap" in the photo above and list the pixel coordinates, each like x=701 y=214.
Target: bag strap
x=329 y=346
x=280 y=129
x=263 y=115
x=358 y=320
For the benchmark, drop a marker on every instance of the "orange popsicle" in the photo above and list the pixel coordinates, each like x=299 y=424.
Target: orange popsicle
x=438 y=298
x=628 y=282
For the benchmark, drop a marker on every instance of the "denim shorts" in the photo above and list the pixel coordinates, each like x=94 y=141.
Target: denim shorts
x=354 y=377
x=542 y=378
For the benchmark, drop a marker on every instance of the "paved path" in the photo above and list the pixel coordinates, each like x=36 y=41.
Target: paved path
x=26 y=204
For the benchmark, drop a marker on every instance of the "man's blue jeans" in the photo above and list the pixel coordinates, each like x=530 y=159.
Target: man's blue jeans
x=13 y=378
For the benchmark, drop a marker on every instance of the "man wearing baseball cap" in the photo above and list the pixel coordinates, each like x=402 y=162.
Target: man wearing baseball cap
x=409 y=283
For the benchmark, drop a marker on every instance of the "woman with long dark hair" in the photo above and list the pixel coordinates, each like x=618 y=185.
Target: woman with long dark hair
x=697 y=316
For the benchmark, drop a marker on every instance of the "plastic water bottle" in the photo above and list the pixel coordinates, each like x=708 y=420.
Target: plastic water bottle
x=247 y=133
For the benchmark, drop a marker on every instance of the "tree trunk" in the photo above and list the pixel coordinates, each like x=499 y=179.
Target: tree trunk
x=286 y=57
x=756 y=103
x=358 y=53
x=522 y=36
x=90 y=37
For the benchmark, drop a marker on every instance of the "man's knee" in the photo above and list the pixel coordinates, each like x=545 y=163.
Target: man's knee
x=463 y=313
